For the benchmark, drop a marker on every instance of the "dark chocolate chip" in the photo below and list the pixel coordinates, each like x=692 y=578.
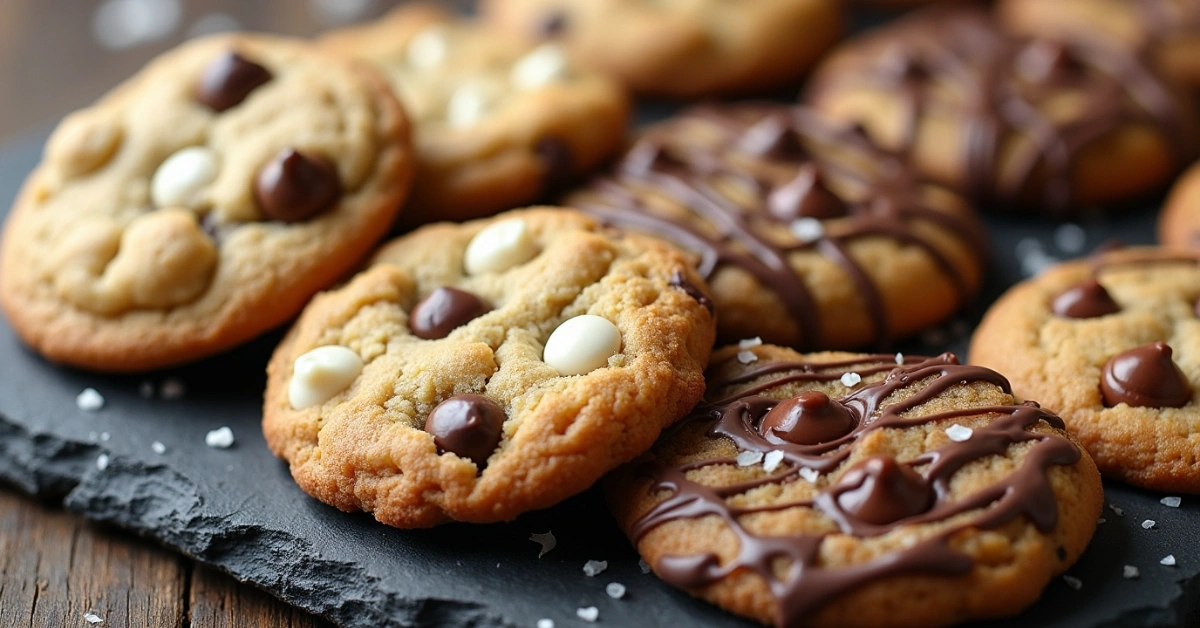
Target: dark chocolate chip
x=468 y=426
x=810 y=418
x=294 y=186
x=1145 y=377
x=228 y=79
x=444 y=311
x=881 y=491
x=1087 y=300
x=681 y=282
x=773 y=137
x=805 y=196
x=558 y=164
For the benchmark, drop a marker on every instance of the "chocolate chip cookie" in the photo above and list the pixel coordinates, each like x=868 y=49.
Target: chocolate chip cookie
x=682 y=48
x=1179 y=222
x=497 y=122
x=808 y=235
x=1046 y=125
x=201 y=203
x=839 y=489
x=481 y=370
x=1112 y=344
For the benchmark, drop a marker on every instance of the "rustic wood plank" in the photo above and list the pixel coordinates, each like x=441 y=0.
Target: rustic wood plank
x=217 y=601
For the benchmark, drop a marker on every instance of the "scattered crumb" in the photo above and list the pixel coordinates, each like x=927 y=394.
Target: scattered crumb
x=771 y=460
x=748 y=458
x=1073 y=582
x=172 y=388
x=1171 y=502
x=1130 y=572
x=747 y=357
x=158 y=448
x=1116 y=510
x=959 y=433
x=851 y=379
x=545 y=623
x=102 y=462
x=1168 y=560
x=615 y=590
x=750 y=343
x=810 y=474
x=146 y=389
x=90 y=400
x=92 y=618
x=1149 y=523
x=220 y=438
x=546 y=540
x=589 y=614
x=643 y=565
x=593 y=567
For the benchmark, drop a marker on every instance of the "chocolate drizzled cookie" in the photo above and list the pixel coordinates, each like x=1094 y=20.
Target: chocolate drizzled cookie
x=865 y=490
x=1017 y=123
x=807 y=234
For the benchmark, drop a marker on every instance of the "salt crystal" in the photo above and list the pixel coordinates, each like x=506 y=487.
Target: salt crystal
x=1171 y=502
x=771 y=460
x=146 y=390
x=593 y=567
x=589 y=614
x=92 y=618
x=959 y=433
x=547 y=541
x=89 y=400
x=1070 y=238
x=102 y=462
x=220 y=438
x=1073 y=582
x=545 y=623
x=104 y=436
x=807 y=229
x=1149 y=523
x=750 y=343
x=1116 y=510
x=1101 y=520
x=172 y=389
x=1168 y=560
x=158 y=448
x=851 y=379
x=747 y=458
x=810 y=474
x=615 y=590
x=900 y=358
x=1130 y=572
x=746 y=357
x=643 y=565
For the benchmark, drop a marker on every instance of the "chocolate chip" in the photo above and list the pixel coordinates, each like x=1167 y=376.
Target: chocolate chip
x=809 y=418
x=444 y=311
x=805 y=196
x=228 y=79
x=773 y=137
x=679 y=281
x=558 y=164
x=294 y=186
x=1145 y=377
x=1061 y=552
x=468 y=426
x=880 y=491
x=1087 y=300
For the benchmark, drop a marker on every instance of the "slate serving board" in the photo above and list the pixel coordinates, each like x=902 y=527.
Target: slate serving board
x=238 y=509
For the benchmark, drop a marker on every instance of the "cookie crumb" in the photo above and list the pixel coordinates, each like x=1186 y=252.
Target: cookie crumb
x=746 y=357
x=900 y=358
x=1149 y=523
x=158 y=448
x=594 y=567
x=1171 y=502
x=1168 y=560
x=615 y=590
x=172 y=388
x=771 y=460
x=750 y=343
x=146 y=389
x=959 y=433
x=810 y=474
x=589 y=614
x=1130 y=572
x=643 y=565
x=748 y=458
x=1070 y=238
x=90 y=400
x=545 y=623
x=220 y=438
x=92 y=618
x=1073 y=582
x=807 y=229
x=851 y=379
x=547 y=541
x=102 y=462
x=1117 y=510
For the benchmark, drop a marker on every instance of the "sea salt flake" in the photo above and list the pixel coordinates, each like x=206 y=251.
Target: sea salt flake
x=1070 y=238
x=750 y=343
x=1117 y=510
x=593 y=567
x=1168 y=560
x=1171 y=502
x=547 y=541
x=810 y=474
x=615 y=590
x=748 y=458
x=220 y=438
x=746 y=357
x=158 y=448
x=643 y=565
x=90 y=400
x=807 y=229
x=1073 y=582
x=900 y=358
x=959 y=433
x=92 y=618
x=589 y=614
x=102 y=462
x=172 y=389
x=545 y=623
x=851 y=379
x=1130 y=572
x=146 y=390
x=1149 y=523
x=105 y=436
x=1101 y=520
x=771 y=460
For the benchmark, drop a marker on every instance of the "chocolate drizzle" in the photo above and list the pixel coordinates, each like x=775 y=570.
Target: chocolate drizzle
x=1006 y=79
x=868 y=500
x=786 y=184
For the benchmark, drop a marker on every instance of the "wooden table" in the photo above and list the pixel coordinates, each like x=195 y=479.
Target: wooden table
x=56 y=56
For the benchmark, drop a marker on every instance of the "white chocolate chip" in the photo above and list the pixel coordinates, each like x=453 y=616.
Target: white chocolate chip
x=499 y=247
x=542 y=66
x=180 y=180
x=471 y=102
x=581 y=345
x=322 y=373
x=427 y=48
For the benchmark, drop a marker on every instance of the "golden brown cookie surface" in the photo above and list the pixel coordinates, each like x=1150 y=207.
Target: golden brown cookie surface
x=481 y=370
x=849 y=490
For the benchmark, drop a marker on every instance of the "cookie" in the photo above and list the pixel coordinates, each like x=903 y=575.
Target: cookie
x=497 y=122
x=838 y=489
x=1166 y=31
x=201 y=203
x=681 y=48
x=807 y=234
x=1179 y=221
x=1112 y=344
x=1015 y=123
x=477 y=371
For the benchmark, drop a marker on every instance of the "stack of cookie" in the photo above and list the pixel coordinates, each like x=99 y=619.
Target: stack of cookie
x=498 y=358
